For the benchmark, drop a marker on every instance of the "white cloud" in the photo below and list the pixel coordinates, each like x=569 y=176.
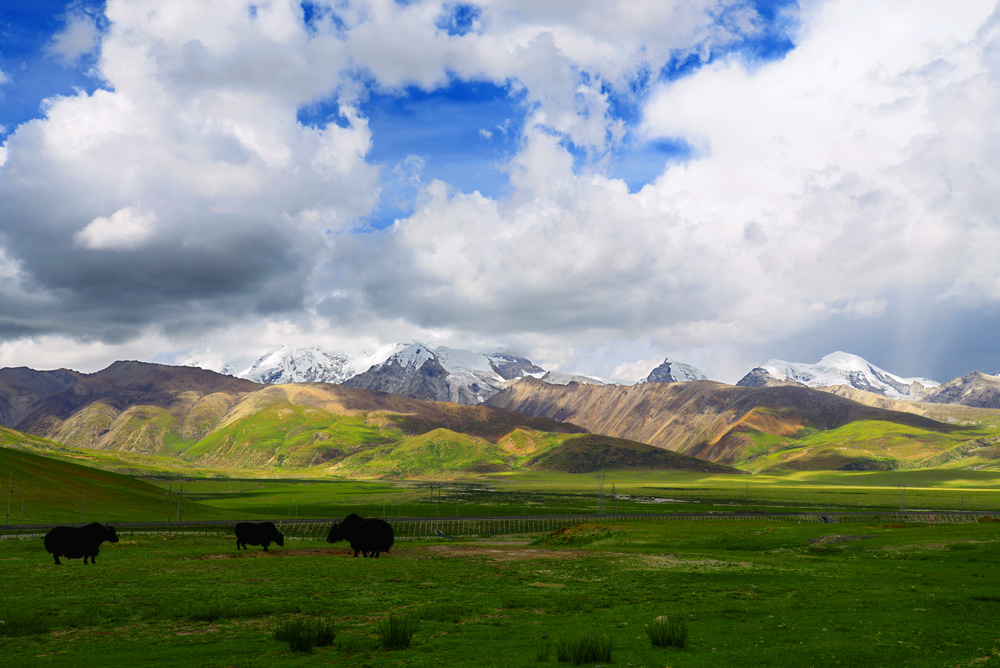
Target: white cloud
x=859 y=166
x=79 y=37
x=125 y=229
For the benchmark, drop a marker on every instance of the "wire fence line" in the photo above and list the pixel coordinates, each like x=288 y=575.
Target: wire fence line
x=422 y=528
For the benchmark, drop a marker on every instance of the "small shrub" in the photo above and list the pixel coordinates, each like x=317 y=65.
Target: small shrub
x=668 y=632
x=588 y=648
x=396 y=631
x=303 y=635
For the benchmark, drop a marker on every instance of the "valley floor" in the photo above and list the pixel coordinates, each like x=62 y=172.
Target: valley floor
x=751 y=593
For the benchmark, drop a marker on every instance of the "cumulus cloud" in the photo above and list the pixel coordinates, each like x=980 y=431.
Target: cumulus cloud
x=821 y=186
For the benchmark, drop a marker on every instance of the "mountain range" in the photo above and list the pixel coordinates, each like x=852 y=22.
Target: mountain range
x=190 y=415
x=442 y=410
x=448 y=374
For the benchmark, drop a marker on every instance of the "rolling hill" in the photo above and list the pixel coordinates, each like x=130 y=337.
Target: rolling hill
x=134 y=416
x=769 y=428
x=51 y=490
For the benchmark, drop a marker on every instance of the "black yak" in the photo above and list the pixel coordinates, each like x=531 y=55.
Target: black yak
x=367 y=536
x=76 y=542
x=261 y=533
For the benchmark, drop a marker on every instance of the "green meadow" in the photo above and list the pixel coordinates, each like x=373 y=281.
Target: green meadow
x=750 y=593
x=56 y=490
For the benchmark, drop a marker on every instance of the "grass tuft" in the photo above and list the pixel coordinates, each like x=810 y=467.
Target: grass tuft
x=669 y=631
x=303 y=635
x=396 y=631
x=543 y=648
x=587 y=648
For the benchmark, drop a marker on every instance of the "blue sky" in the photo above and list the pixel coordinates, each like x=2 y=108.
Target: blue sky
x=441 y=126
x=596 y=184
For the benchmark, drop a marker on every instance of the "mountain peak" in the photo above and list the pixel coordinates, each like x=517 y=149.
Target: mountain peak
x=838 y=368
x=672 y=371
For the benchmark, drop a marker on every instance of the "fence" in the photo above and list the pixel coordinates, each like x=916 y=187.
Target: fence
x=466 y=527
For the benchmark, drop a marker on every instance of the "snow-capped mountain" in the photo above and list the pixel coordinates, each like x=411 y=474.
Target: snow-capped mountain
x=443 y=374
x=672 y=371
x=296 y=364
x=838 y=368
x=300 y=365
x=562 y=378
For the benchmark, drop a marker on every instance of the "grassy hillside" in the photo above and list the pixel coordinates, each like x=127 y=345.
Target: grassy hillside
x=445 y=453
x=51 y=490
x=590 y=452
x=864 y=445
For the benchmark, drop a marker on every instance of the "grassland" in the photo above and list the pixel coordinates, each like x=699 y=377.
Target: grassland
x=53 y=490
x=45 y=490
x=752 y=594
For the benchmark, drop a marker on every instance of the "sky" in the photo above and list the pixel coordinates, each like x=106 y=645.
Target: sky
x=595 y=185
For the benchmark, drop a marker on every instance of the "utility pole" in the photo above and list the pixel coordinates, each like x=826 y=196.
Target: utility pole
x=10 y=490
x=902 y=498
x=168 y=500
x=600 y=489
x=83 y=502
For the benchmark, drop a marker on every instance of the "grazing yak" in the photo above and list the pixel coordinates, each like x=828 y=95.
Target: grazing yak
x=258 y=533
x=76 y=542
x=367 y=536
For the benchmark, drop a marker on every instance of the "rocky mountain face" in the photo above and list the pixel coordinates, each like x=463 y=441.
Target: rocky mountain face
x=21 y=389
x=511 y=367
x=672 y=371
x=975 y=389
x=838 y=368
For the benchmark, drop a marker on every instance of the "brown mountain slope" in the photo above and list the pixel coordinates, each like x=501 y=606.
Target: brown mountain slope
x=975 y=389
x=697 y=418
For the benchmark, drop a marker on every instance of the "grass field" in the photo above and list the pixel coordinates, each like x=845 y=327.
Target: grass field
x=751 y=594
x=55 y=491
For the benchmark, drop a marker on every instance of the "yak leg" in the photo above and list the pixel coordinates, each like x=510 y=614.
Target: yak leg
x=265 y=546
x=57 y=559
x=239 y=544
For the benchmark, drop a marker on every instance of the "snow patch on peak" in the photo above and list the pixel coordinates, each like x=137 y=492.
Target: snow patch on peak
x=287 y=364
x=412 y=356
x=672 y=371
x=842 y=368
x=459 y=361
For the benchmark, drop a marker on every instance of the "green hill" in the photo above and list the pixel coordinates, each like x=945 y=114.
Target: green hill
x=437 y=453
x=586 y=453
x=445 y=453
x=51 y=490
x=866 y=445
